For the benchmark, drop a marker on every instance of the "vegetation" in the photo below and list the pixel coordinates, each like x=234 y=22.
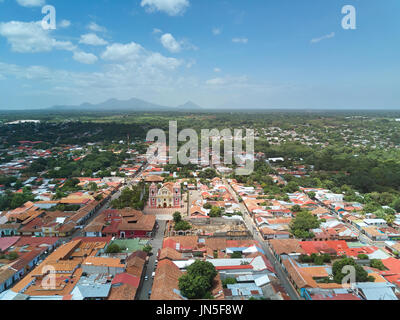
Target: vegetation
x=10 y=256
x=302 y=224
x=236 y=255
x=148 y=248
x=215 y=212
x=360 y=276
x=114 y=248
x=198 y=280
x=182 y=226
x=10 y=201
x=131 y=198
x=377 y=264
x=228 y=281
x=315 y=258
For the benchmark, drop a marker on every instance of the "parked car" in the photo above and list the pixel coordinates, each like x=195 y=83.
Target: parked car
x=146 y=278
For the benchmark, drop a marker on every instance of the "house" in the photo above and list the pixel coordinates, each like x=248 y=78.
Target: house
x=100 y=265
x=92 y=287
x=6 y=277
x=269 y=233
x=286 y=247
x=376 y=222
x=125 y=224
x=166 y=282
x=9 y=229
x=375 y=234
x=124 y=287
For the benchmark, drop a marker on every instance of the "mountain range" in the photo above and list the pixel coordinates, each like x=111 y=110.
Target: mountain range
x=133 y=104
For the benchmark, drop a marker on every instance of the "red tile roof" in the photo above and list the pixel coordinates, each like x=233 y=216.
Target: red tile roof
x=126 y=278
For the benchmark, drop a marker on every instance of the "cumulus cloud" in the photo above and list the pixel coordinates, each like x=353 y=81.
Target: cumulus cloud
x=328 y=36
x=84 y=57
x=231 y=81
x=64 y=24
x=31 y=3
x=123 y=52
x=172 y=45
x=240 y=40
x=92 y=39
x=216 y=31
x=27 y=37
x=171 y=7
x=169 y=43
x=96 y=28
x=134 y=54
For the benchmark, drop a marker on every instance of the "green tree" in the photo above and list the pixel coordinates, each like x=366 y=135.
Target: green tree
x=198 y=280
x=203 y=268
x=215 y=212
x=113 y=248
x=177 y=217
x=147 y=248
x=311 y=195
x=377 y=264
x=301 y=225
x=296 y=208
x=193 y=287
x=228 y=281
x=236 y=255
x=361 y=274
x=182 y=226
x=207 y=206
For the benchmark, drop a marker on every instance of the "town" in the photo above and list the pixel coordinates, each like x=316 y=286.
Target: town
x=95 y=220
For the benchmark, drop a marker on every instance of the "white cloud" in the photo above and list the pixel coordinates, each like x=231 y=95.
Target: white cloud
x=191 y=63
x=240 y=40
x=31 y=3
x=64 y=24
x=133 y=54
x=227 y=81
x=96 y=28
x=27 y=37
x=328 y=36
x=156 y=30
x=92 y=39
x=171 y=7
x=123 y=52
x=216 y=81
x=83 y=57
x=172 y=45
x=216 y=31
x=169 y=43
x=217 y=70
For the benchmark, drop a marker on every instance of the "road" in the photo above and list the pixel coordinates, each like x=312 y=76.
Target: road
x=265 y=246
x=156 y=243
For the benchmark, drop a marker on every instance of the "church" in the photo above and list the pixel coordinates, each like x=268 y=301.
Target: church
x=168 y=196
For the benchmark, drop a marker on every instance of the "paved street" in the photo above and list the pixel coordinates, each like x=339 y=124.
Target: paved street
x=264 y=244
x=156 y=243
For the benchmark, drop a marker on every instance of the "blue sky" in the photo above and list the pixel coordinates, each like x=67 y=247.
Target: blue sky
x=219 y=54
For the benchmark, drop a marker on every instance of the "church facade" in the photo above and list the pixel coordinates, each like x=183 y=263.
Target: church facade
x=168 y=196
